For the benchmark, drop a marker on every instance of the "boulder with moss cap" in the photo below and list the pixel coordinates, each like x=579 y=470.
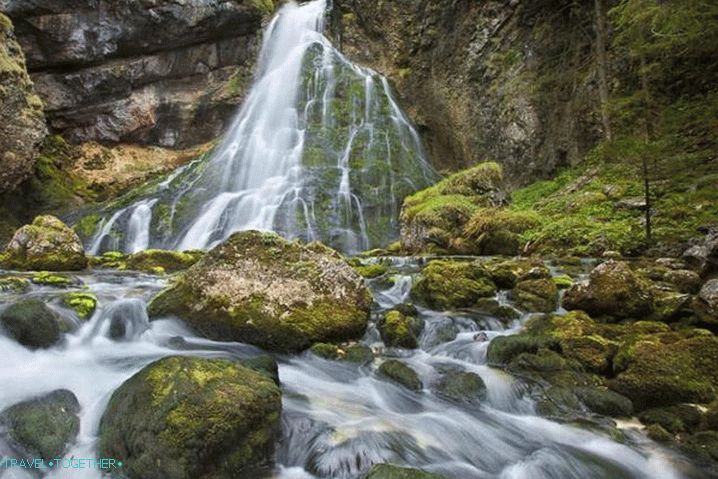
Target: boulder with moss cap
x=261 y=289
x=199 y=418
x=452 y=284
x=46 y=244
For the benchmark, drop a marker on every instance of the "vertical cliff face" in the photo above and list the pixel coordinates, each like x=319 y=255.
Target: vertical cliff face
x=158 y=72
x=22 y=125
x=504 y=80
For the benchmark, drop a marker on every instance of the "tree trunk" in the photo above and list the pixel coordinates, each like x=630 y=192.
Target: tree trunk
x=602 y=63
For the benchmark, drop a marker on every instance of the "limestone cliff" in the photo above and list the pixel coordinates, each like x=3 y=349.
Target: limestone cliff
x=509 y=81
x=160 y=72
x=22 y=125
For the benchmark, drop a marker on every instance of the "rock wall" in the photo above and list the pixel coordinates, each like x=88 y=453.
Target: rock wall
x=510 y=81
x=160 y=72
x=22 y=125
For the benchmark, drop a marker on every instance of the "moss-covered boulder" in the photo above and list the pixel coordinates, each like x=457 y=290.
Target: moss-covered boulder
x=31 y=323
x=262 y=289
x=84 y=304
x=162 y=261
x=436 y=216
x=368 y=270
x=55 y=280
x=686 y=281
x=674 y=419
x=452 y=284
x=462 y=387
x=387 y=471
x=357 y=353
x=612 y=290
x=43 y=427
x=706 y=303
x=14 y=284
x=401 y=374
x=505 y=273
x=325 y=350
x=198 y=418
x=503 y=349
x=46 y=244
x=603 y=401
x=536 y=295
x=656 y=373
x=400 y=330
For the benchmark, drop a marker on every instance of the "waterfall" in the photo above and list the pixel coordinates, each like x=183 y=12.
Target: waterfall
x=319 y=150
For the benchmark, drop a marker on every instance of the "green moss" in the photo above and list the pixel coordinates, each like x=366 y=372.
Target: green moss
x=265 y=6
x=399 y=330
x=562 y=281
x=370 y=271
x=540 y=295
x=84 y=304
x=14 y=284
x=452 y=284
x=87 y=226
x=325 y=350
x=160 y=261
x=503 y=349
x=46 y=278
x=461 y=387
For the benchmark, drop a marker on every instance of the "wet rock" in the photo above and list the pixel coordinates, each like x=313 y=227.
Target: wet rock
x=386 y=471
x=605 y=402
x=200 y=418
x=536 y=295
x=593 y=352
x=399 y=330
x=506 y=273
x=401 y=374
x=31 y=323
x=46 y=244
x=262 y=289
x=452 y=284
x=369 y=270
x=706 y=303
x=658 y=433
x=612 y=290
x=22 y=128
x=325 y=350
x=264 y=364
x=462 y=387
x=503 y=349
x=674 y=419
x=55 y=280
x=43 y=427
x=358 y=353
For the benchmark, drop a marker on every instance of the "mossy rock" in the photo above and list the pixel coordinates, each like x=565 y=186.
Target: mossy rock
x=31 y=323
x=154 y=260
x=369 y=271
x=613 y=290
x=563 y=281
x=503 y=349
x=199 y=418
x=44 y=426
x=462 y=387
x=452 y=284
x=84 y=304
x=706 y=304
x=542 y=361
x=536 y=295
x=401 y=374
x=386 y=471
x=674 y=419
x=686 y=281
x=357 y=353
x=46 y=244
x=605 y=402
x=659 y=374
x=595 y=353
x=14 y=284
x=399 y=330
x=109 y=259
x=658 y=433
x=703 y=444
x=261 y=289
x=506 y=273
x=46 y=278
x=325 y=350
x=711 y=416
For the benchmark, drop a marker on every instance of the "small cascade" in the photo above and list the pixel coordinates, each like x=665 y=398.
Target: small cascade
x=320 y=150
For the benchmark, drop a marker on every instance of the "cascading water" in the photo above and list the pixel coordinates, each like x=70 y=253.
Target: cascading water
x=319 y=151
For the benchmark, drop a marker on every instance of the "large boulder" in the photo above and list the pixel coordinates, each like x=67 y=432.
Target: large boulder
x=31 y=323
x=536 y=295
x=262 y=289
x=46 y=244
x=612 y=290
x=452 y=284
x=23 y=125
x=43 y=427
x=400 y=373
x=182 y=418
x=706 y=303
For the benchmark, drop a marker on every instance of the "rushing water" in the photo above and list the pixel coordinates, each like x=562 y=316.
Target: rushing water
x=319 y=150
x=338 y=418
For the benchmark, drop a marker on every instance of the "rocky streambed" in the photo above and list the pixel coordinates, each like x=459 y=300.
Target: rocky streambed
x=269 y=358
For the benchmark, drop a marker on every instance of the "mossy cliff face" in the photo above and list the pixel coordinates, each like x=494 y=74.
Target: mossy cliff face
x=23 y=124
x=433 y=219
x=46 y=244
x=502 y=80
x=199 y=418
x=262 y=289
